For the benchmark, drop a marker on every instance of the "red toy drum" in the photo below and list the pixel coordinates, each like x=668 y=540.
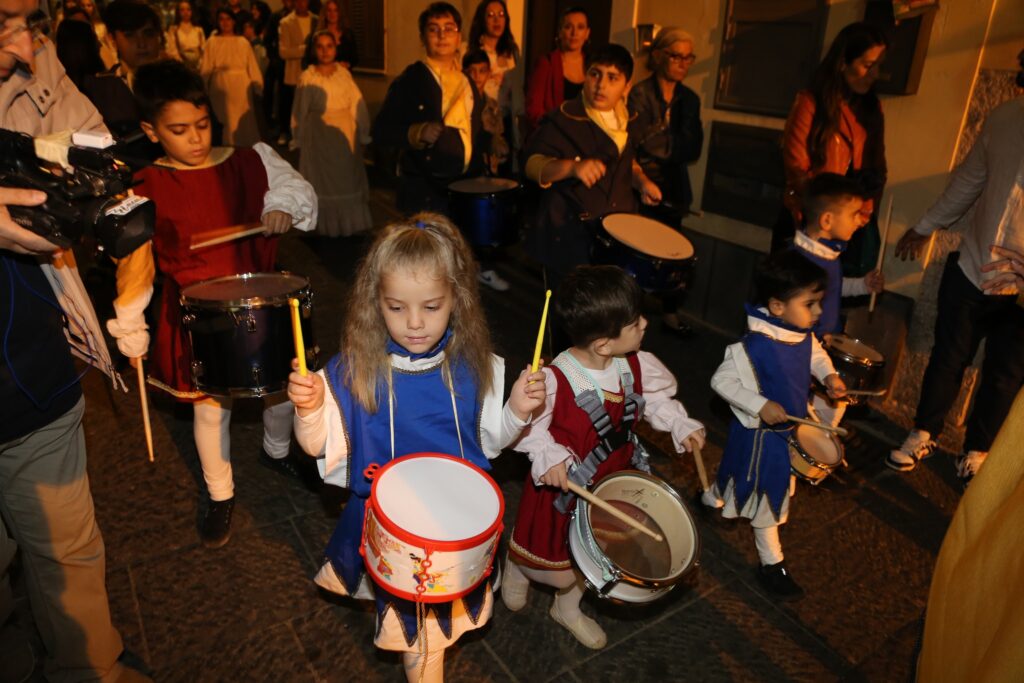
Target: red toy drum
x=432 y=527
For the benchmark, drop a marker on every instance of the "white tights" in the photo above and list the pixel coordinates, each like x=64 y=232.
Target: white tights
x=428 y=668
x=211 y=429
x=567 y=581
x=769 y=547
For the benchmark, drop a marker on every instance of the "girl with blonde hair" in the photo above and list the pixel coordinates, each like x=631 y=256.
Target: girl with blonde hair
x=415 y=374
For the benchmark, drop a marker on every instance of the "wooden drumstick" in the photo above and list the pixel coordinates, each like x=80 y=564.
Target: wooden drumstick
x=540 y=333
x=612 y=510
x=881 y=252
x=865 y=392
x=300 y=346
x=145 y=408
x=820 y=425
x=222 y=235
x=701 y=472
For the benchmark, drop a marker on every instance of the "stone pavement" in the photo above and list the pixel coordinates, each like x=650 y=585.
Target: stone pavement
x=863 y=545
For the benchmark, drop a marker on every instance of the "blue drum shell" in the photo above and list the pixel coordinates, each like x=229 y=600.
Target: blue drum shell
x=487 y=219
x=652 y=274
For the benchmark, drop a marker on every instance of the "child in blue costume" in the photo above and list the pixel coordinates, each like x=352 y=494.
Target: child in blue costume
x=415 y=374
x=764 y=377
x=833 y=212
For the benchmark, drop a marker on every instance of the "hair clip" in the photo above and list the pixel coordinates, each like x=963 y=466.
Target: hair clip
x=421 y=225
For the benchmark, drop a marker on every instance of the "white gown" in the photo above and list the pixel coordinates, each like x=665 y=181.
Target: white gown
x=233 y=80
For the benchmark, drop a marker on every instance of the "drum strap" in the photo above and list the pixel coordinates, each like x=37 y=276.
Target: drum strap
x=590 y=399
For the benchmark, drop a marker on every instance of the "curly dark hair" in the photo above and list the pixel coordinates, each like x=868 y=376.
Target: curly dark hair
x=506 y=42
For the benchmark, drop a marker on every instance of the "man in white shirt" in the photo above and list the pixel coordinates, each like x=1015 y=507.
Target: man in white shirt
x=992 y=179
x=295 y=29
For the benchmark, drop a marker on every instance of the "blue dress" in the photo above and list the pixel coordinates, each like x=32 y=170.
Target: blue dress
x=756 y=461
x=829 y=322
x=423 y=422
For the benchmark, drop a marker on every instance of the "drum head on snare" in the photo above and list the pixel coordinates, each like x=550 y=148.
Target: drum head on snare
x=250 y=287
x=648 y=236
x=437 y=499
x=854 y=348
x=819 y=444
x=483 y=185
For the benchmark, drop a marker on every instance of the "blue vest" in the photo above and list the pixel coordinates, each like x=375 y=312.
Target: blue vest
x=423 y=422
x=829 y=322
x=757 y=460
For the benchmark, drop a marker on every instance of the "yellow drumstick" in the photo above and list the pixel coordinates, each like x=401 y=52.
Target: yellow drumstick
x=540 y=332
x=300 y=347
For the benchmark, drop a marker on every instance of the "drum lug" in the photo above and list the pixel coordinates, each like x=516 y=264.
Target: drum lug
x=188 y=319
x=257 y=378
x=197 y=369
x=248 y=318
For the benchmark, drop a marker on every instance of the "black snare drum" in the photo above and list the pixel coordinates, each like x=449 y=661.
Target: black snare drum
x=861 y=366
x=241 y=332
x=659 y=257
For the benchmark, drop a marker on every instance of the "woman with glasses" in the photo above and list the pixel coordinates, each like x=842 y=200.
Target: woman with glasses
x=836 y=126
x=431 y=117
x=491 y=32
x=558 y=75
x=667 y=133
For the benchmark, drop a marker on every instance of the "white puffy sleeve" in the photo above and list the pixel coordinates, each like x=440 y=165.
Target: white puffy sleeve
x=289 y=191
x=821 y=363
x=322 y=435
x=728 y=383
x=544 y=452
x=663 y=411
x=499 y=426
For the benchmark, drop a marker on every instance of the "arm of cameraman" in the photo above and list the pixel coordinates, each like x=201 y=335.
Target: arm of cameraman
x=135 y=274
x=13 y=237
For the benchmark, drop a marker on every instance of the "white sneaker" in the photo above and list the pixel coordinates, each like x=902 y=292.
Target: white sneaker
x=493 y=280
x=917 y=446
x=969 y=465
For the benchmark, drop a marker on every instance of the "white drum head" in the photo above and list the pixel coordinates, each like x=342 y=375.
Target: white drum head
x=818 y=444
x=648 y=236
x=437 y=499
x=250 y=287
x=483 y=185
x=854 y=348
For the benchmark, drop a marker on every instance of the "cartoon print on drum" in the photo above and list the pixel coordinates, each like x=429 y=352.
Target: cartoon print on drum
x=431 y=582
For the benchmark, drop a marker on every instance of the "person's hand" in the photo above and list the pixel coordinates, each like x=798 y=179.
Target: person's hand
x=589 y=171
x=13 y=237
x=430 y=133
x=835 y=385
x=911 y=245
x=772 y=413
x=1010 y=267
x=276 y=222
x=305 y=393
x=528 y=393
x=650 y=193
x=875 y=281
x=556 y=476
x=695 y=441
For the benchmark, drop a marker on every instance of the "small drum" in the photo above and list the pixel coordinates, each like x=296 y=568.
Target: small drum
x=432 y=527
x=486 y=210
x=814 y=453
x=860 y=366
x=241 y=332
x=659 y=257
x=621 y=563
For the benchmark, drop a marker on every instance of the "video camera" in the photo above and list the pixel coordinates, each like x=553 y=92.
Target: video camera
x=90 y=198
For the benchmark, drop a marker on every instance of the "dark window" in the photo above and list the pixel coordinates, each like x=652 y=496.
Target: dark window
x=366 y=20
x=744 y=177
x=770 y=49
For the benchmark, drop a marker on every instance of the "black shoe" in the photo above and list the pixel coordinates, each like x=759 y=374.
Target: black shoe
x=776 y=580
x=216 y=528
x=285 y=465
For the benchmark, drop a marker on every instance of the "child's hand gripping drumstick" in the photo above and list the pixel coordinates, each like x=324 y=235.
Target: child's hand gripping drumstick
x=540 y=333
x=300 y=346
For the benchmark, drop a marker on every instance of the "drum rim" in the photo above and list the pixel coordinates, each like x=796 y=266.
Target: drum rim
x=635 y=579
x=644 y=254
x=248 y=302
x=490 y=193
x=447 y=546
x=826 y=469
x=866 y=362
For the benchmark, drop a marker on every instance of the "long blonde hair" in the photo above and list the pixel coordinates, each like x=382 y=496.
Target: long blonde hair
x=425 y=241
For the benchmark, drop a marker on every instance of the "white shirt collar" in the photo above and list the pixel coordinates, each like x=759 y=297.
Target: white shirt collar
x=774 y=331
x=814 y=246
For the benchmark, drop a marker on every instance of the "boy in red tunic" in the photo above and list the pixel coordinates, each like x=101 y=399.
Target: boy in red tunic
x=197 y=188
x=599 y=307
